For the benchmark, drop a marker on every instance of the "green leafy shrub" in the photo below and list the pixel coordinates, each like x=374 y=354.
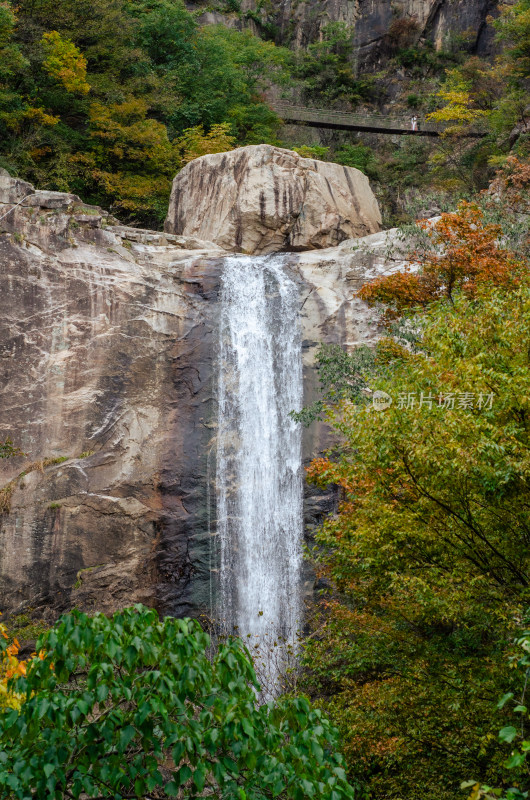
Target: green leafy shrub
x=131 y=705
x=312 y=151
x=359 y=156
x=517 y=737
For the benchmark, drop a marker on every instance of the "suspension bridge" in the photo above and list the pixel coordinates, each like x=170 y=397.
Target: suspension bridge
x=359 y=121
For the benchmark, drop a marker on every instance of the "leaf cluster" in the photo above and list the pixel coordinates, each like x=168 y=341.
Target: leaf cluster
x=132 y=705
x=465 y=255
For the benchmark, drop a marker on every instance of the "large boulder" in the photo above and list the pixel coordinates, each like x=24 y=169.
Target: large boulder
x=263 y=199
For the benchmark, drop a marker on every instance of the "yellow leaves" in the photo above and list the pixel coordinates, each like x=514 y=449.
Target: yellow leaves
x=10 y=667
x=459 y=105
x=132 y=158
x=131 y=191
x=65 y=63
x=389 y=350
x=195 y=142
x=127 y=134
x=40 y=117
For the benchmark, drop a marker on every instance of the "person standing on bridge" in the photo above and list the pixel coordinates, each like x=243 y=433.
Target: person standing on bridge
x=414 y=123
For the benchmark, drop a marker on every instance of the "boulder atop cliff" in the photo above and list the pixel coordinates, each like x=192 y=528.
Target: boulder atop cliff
x=262 y=199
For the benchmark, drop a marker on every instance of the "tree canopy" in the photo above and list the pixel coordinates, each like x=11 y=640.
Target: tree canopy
x=124 y=706
x=428 y=558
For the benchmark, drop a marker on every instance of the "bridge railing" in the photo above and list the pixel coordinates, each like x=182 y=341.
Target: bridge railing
x=379 y=121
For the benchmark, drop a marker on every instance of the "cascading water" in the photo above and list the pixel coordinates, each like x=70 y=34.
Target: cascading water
x=259 y=483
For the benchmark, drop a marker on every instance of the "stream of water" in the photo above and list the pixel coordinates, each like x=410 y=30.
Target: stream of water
x=259 y=481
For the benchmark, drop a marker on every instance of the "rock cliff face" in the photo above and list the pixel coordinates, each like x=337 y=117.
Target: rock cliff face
x=108 y=341
x=441 y=22
x=300 y=22
x=262 y=199
x=105 y=353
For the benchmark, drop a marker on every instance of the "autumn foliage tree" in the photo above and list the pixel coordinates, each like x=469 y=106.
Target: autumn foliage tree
x=65 y=63
x=195 y=142
x=461 y=110
x=427 y=560
x=131 y=160
x=465 y=254
x=428 y=557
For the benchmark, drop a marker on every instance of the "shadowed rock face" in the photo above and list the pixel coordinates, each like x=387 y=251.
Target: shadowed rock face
x=106 y=357
x=108 y=363
x=263 y=199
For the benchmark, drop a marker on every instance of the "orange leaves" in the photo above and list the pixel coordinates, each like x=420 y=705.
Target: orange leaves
x=15 y=667
x=397 y=292
x=321 y=472
x=465 y=255
x=10 y=667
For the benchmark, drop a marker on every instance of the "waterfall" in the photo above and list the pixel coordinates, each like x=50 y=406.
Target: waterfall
x=259 y=483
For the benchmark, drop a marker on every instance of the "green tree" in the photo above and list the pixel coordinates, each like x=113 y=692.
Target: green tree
x=327 y=70
x=152 y=73
x=20 y=118
x=515 y=735
x=131 y=159
x=132 y=705
x=359 y=156
x=513 y=30
x=65 y=63
x=195 y=142
x=103 y=30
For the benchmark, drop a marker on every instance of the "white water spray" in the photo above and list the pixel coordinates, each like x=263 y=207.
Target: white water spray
x=259 y=481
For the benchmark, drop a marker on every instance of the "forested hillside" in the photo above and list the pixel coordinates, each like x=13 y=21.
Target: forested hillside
x=95 y=97
x=108 y=99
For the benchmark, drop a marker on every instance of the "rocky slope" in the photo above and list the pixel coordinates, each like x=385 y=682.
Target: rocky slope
x=108 y=341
